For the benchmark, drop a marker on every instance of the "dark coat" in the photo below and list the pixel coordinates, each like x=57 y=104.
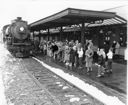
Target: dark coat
x=72 y=55
x=54 y=48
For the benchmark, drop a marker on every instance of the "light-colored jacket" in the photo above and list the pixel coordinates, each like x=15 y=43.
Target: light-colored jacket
x=80 y=52
x=110 y=55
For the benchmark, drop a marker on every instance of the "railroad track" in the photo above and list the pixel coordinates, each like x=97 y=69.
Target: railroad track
x=64 y=92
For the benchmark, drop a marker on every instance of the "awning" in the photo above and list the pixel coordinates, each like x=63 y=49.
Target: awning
x=113 y=21
x=71 y=16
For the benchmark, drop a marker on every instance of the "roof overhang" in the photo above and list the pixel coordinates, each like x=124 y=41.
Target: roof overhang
x=117 y=20
x=70 y=16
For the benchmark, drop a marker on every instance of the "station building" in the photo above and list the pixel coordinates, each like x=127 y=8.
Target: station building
x=101 y=27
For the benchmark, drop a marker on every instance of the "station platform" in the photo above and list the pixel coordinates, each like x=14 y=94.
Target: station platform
x=115 y=82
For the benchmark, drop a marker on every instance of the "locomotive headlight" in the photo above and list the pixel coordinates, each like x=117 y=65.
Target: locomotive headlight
x=21 y=29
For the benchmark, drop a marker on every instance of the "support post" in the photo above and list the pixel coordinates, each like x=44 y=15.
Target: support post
x=48 y=35
x=61 y=33
x=82 y=33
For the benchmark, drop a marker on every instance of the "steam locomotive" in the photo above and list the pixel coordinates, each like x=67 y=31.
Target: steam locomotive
x=16 y=37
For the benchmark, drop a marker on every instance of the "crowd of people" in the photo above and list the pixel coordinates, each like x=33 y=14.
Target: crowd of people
x=75 y=55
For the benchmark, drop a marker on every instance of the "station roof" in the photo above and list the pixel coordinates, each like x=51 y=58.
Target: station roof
x=70 y=16
x=117 y=20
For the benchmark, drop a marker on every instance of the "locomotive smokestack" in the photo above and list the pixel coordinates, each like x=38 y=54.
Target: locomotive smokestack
x=19 y=18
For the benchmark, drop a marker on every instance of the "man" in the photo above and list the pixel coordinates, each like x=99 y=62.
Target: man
x=101 y=62
x=110 y=57
x=54 y=50
x=80 y=55
x=114 y=46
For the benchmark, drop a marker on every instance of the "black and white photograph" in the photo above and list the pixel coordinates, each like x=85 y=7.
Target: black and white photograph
x=63 y=52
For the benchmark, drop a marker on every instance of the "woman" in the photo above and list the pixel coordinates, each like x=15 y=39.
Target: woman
x=66 y=55
x=89 y=59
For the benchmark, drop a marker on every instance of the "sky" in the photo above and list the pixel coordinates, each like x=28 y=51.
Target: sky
x=33 y=10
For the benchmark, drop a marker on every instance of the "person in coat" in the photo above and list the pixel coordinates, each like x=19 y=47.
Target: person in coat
x=101 y=62
x=72 y=57
x=89 y=59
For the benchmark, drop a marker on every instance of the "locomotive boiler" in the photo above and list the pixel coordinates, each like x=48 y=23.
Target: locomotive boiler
x=16 y=37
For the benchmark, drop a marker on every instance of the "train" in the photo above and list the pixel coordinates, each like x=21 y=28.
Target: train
x=16 y=38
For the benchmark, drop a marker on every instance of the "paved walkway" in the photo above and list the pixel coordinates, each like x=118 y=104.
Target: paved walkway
x=116 y=80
